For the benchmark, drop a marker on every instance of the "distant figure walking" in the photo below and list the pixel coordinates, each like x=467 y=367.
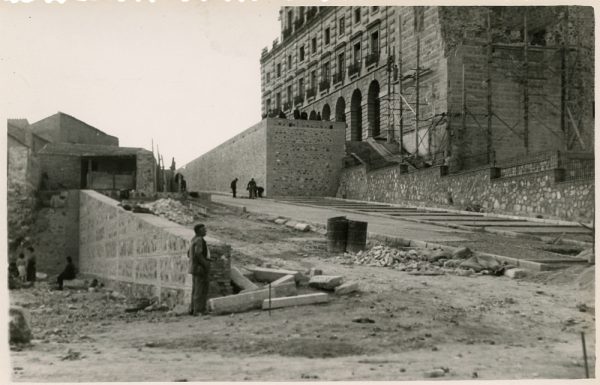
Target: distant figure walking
x=251 y=188
x=68 y=273
x=234 y=186
x=30 y=266
x=199 y=267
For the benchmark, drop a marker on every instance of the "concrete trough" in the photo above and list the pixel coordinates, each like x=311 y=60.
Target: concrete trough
x=299 y=300
x=249 y=300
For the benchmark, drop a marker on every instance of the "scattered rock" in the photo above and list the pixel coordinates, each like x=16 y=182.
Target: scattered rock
x=435 y=373
x=363 y=320
x=302 y=227
x=462 y=253
x=19 y=330
x=515 y=273
x=325 y=282
x=40 y=275
x=441 y=254
x=72 y=355
x=346 y=288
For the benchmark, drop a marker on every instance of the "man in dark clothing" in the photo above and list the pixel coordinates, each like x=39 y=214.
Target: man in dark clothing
x=68 y=273
x=259 y=191
x=30 y=267
x=199 y=267
x=252 y=188
x=234 y=186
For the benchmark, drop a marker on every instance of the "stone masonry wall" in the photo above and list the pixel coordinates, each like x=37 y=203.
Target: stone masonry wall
x=142 y=254
x=532 y=194
x=304 y=157
x=145 y=173
x=64 y=171
x=242 y=156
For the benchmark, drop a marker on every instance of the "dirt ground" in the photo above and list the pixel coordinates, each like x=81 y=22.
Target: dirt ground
x=480 y=327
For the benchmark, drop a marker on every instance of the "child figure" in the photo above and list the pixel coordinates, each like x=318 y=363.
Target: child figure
x=21 y=263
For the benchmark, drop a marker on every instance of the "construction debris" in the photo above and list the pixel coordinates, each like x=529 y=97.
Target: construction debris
x=265 y=274
x=250 y=300
x=306 y=299
x=515 y=273
x=346 y=288
x=170 y=209
x=325 y=282
x=19 y=330
x=285 y=279
x=238 y=278
x=425 y=261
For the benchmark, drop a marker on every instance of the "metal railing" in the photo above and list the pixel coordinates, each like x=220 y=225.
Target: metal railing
x=354 y=68
x=298 y=99
x=338 y=77
x=372 y=58
x=324 y=85
x=311 y=92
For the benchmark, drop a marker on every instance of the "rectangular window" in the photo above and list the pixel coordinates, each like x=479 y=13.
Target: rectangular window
x=325 y=71
x=341 y=63
x=268 y=105
x=357 y=15
x=313 y=79
x=374 y=9
x=289 y=62
x=357 y=53
x=327 y=35
x=289 y=95
x=301 y=86
x=342 y=26
x=278 y=70
x=290 y=17
x=314 y=45
x=302 y=53
x=268 y=77
x=278 y=101
x=375 y=42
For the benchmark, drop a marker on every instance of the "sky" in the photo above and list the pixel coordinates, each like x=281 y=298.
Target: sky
x=182 y=75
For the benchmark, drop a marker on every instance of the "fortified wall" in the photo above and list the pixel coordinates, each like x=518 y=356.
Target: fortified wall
x=142 y=254
x=286 y=157
x=554 y=185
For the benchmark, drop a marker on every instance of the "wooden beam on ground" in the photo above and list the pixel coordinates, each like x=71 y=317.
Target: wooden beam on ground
x=247 y=301
x=306 y=299
x=240 y=280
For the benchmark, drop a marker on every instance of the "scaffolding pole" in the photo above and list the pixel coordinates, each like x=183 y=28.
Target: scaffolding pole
x=525 y=85
x=400 y=90
x=489 y=89
x=417 y=84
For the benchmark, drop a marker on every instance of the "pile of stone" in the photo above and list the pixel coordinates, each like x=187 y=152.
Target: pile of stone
x=172 y=210
x=426 y=261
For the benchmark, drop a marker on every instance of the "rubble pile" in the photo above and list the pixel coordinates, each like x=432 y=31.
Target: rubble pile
x=419 y=260
x=172 y=210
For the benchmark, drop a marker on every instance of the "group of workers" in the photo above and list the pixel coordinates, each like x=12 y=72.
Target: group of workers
x=254 y=190
x=24 y=269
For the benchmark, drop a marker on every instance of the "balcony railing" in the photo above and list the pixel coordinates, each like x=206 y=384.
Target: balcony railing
x=311 y=92
x=337 y=78
x=312 y=11
x=372 y=58
x=324 y=85
x=298 y=99
x=354 y=68
x=287 y=106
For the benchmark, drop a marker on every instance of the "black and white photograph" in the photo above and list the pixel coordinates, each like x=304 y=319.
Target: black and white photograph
x=306 y=191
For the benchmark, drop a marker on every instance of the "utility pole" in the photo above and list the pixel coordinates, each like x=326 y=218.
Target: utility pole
x=400 y=90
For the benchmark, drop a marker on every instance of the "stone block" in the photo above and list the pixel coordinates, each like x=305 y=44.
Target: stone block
x=462 y=253
x=325 y=282
x=280 y=221
x=314 y=272
x=306 y=299
x=19 y=330
x=285 y=279
x=241 y=281
x=291 y=224
x=346 y=288
x=515 y=273
x=264 y=274
x=302 y=227
x=249 y=300
x=74 y=284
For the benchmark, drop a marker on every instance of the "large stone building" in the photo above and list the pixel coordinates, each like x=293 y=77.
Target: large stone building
x=461 y=86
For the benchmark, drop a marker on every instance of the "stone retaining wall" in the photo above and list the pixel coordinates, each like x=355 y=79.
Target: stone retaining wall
x=536 y=193
x=142 y=254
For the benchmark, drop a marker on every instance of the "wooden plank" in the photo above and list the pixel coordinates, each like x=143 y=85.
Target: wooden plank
x=240 y=280
x=247 y=301
x=299 y=300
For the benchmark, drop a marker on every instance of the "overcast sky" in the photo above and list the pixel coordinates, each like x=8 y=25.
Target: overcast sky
x=186 y=75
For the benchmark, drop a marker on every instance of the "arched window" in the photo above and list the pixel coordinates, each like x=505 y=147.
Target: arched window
x=356 y=116
x=373 y=109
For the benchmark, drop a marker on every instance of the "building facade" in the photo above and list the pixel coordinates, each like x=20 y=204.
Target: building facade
x=461 y=86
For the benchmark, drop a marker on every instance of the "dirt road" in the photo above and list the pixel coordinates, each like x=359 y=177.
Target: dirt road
x=473 y=327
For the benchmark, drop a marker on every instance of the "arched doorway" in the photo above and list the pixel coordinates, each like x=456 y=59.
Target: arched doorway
x=373 y=109
x=304 y=116
x=356 y=116
x=325 y=114
x=313 y=115
x=340 y=110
